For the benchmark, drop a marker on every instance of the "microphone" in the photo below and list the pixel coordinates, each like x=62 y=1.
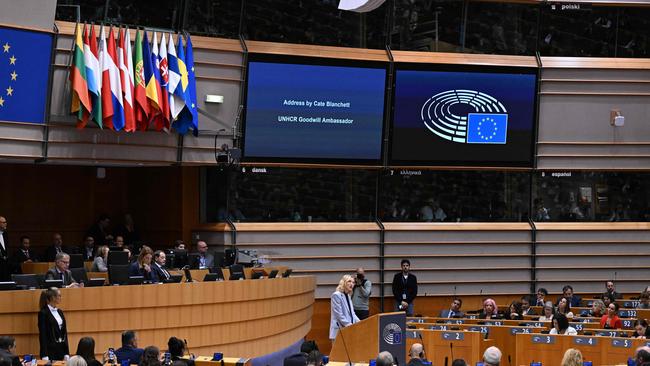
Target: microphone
x=345 y=347
x=422 y=343
x=451 y=350
x=187 y=348
x=509 y=360
x=446 y=360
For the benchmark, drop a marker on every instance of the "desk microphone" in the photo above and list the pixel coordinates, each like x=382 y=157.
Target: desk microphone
x=509 y=360
x=451 y=349
x=446 y=360
x=345 y=347
x=422 y=343
x=187 y=348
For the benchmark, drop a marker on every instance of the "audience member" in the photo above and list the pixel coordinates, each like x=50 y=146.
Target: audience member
x=574 y=300
x=128 y=231
x=315 y=358
x=525 y=306
x=8 y=349
x=129 y=350
x=608 y=298
x=159 y=265
x=76 y=361
x=459 y=362
x=341 y=311
x=641 y=329
x=24 y=254
x=5 y=266
x=298 y=359
x=100 y=264
x=644 y=301
x=60 y=271
x=119 y=241
x=142 y=267
x=564 y=307
x=490 y=310
x=52 y=330
x=611 y=319
x=204 y=259
x=361 y=294
x=548 y=312
x=87 y=250
x=56 y=248
x=541 y=296
x=150 y=357
x=385 y=358
x=416 y=354
x=179 y=244
x=177 y=350
x=405 y=288
x=99 y=231
x=642 y=356
x=610 y=289
x=572 y=357
x=515 y=311
x=597 y=309
x=492 y=356
x=454 y=310
x=561 y=325
x=86 y=349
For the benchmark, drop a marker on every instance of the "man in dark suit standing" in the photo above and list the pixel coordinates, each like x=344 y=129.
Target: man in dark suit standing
x=56 y=248
x=5 y=265
x=159 y=260
x=61 y=272
x=405 y=288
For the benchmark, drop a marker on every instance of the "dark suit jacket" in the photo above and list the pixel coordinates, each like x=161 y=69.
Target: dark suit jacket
x=52 y=339
x=575 y=300
x=19 y=256
x=457 y=314
x=53 y=274
x=50 y=253
x=15 y=360
x=85 y=255
x=6 y=267
x=399 y=287
x=159 y=272
x=129 y=353
x=136 y=270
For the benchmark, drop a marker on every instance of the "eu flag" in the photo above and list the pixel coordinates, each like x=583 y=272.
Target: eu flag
x=487 y=128
x=24 y=70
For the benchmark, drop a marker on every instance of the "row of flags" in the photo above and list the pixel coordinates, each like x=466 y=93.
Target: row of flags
x=124 y=88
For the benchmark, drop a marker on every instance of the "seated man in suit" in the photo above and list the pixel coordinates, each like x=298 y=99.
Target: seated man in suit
x=177 y=351
x=56 y=248
x=129 y=350
x=159 y=261
x=454 y=311
x=205 y=259
x=8 y=349
x=567 y=291
x=88 y=249
x=61 y=272
x=24 y=253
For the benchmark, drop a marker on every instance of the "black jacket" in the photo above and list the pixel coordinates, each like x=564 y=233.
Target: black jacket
x=52 y=339
x=400 y=287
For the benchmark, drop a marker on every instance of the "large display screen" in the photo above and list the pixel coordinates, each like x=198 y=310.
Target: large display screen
x=464 y=117
x=313 y=110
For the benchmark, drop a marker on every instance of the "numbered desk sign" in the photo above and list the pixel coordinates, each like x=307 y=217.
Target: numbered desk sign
x=585 y=341
x=514 y=331
x=480 y=329
x=627 y=313
x=494 y=323
x=543 y=339
x=622 y=343
x=412 y=334
x=577 y=326
x=627 y=324
x=607 y=333
x=438 y=327
x=453 y=336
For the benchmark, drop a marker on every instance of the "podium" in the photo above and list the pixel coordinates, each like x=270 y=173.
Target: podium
x=365 y=339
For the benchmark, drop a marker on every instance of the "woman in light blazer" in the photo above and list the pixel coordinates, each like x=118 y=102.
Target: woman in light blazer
x=342 y=313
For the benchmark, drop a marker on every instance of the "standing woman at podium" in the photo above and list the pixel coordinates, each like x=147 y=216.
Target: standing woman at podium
x=52 y=331
x=342 y=313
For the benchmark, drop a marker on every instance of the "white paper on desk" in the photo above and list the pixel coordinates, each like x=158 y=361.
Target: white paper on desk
x=360 y=6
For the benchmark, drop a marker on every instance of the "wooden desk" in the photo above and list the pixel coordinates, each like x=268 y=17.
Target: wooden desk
x=36 y=267
x=249 y=318
x=439 y=345
x=227 y=361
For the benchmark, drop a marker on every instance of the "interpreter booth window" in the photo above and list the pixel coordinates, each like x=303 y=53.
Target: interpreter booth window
x=217 y=18
x=591 y=196
x=454 y=196
x=267 y=194
x=429 y=26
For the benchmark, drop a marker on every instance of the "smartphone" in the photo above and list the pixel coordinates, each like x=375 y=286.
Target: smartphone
x=168 y=359
x=111 y=355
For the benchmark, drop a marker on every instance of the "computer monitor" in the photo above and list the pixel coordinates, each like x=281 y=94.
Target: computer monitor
x=217 y=272
x=53 y=283
x=79 y=274
x=287 y=273
x=237 y=272
x=7 y=286
x=219 y=259
x=118 y=274
x=188 y=274
x=118 y=257
x=176 y=258
x=193 y=260
x=76 y=261
x=273 y=273
x=95 y=282
x=211 y=277
x=230 y=255
x=174 y=278
x=136 y=280
x=27 y=281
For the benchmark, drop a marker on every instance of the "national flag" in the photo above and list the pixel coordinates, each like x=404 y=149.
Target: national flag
x=487 y=128
x=116 y=84
x=189 y=117
x=150 y=86
x=107 y=101
x=153 y=84
x=164 y=81
x=140 y=93
x=176 y=95
x=81 y=103
x=93 y=75
x=126 y=78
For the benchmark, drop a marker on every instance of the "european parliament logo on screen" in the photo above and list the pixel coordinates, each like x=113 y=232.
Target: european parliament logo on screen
x=444 y=115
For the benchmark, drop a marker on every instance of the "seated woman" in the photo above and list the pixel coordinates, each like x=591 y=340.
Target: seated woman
x=561 y=326
x=597 y=309
x=548 y=312
x=490 y=310
x=611 y=319
x=150 y=357
x=86 y=349
x=564 y=307
x=641 y=329
x=100 y=264
x=644 y=301
x=608 y=299
x=142 y=267
x=515 y=311
x=177 y=350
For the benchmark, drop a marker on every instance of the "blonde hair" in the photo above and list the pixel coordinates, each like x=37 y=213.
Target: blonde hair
x=344 y=279
x=572 y=357
x=76 y=361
